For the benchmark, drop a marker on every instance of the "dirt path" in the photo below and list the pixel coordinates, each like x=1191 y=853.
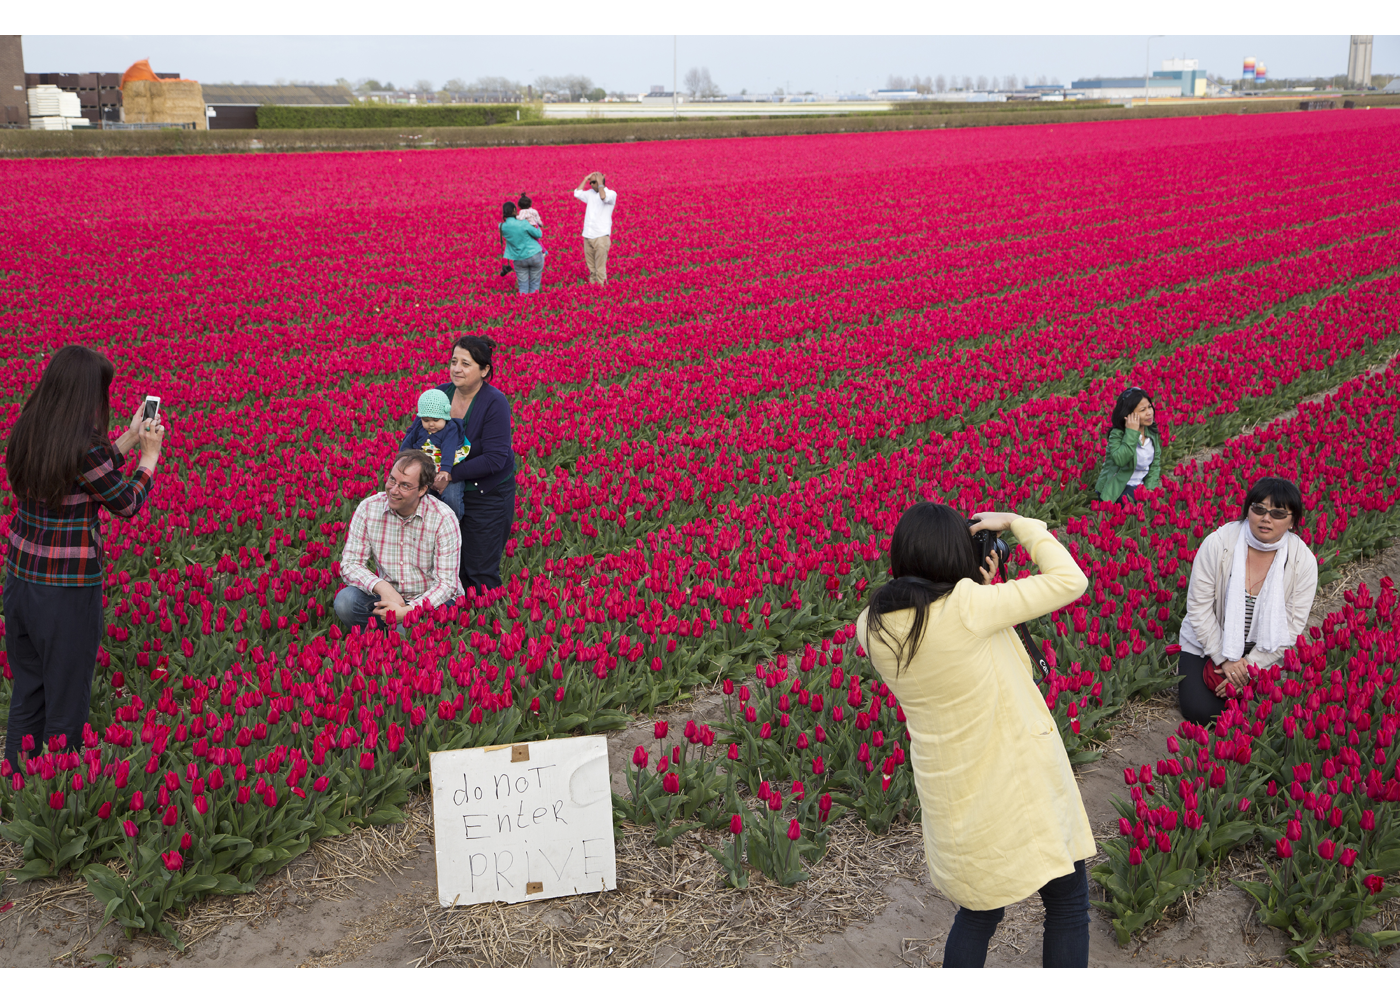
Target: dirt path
x=369 y=899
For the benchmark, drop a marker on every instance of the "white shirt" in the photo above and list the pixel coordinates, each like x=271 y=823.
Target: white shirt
x=1144 y=461
x=597 y=218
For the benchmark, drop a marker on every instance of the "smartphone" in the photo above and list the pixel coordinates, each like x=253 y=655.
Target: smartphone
x=152 y=409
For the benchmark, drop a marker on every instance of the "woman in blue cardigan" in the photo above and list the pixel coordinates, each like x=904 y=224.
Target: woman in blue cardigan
x=488 y=471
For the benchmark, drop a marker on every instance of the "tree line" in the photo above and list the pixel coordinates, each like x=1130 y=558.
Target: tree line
x=941 y=84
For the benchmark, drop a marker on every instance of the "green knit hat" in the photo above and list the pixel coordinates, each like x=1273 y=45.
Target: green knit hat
x=435 y=405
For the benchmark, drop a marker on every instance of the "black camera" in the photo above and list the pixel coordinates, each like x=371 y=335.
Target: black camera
x=987 y=541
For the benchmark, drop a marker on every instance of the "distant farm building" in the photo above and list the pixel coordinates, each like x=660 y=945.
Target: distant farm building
x=237 y=107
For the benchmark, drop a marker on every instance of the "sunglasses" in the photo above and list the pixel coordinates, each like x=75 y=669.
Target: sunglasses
x=1277 y=513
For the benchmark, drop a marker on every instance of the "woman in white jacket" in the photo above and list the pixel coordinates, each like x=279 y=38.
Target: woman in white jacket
x=1252 y=588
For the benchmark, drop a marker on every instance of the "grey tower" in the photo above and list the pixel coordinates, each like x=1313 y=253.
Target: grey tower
x=14 y=102
x=1359 y=62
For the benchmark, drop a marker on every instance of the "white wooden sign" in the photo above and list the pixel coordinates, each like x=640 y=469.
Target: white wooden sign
x=523 y=821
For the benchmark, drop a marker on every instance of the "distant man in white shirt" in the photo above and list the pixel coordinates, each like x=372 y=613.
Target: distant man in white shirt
x=597 y=224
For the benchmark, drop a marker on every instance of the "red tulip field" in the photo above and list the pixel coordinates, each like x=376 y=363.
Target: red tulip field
x=800 y=337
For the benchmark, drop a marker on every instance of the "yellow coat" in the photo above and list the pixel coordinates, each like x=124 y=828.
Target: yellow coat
x=1001 y=811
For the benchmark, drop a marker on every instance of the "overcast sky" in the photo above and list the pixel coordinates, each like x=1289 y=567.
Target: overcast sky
x=633 y=63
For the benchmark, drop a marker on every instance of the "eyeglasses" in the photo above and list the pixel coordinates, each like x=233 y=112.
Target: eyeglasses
x=1277 y=513
x=1129 y=391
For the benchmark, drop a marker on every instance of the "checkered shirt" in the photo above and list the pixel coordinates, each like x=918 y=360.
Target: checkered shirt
x=419 y=557
x=63 y=548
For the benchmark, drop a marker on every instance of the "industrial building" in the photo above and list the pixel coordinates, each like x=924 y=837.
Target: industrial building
x=1359 y=62
x=1176 y=78
x=237 y=106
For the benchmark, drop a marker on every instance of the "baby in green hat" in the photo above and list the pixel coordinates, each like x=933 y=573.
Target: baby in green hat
x=441 y=437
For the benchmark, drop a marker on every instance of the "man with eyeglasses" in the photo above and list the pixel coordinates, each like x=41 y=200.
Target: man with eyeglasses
x=416 y=544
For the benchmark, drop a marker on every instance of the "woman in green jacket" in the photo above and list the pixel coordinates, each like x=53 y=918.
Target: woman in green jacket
x=1134 y=457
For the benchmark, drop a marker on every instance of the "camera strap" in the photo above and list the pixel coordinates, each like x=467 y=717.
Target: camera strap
x=1037 y=659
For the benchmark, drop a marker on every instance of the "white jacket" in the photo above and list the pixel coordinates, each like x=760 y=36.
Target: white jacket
x=1205 y=596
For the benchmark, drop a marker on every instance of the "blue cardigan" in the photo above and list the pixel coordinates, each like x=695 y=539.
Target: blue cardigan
x=491 y=462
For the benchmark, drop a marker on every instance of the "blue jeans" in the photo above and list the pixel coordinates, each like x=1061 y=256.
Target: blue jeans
x=354 y=606
x=452 y=496
x=528 y=273
x=1066 y=941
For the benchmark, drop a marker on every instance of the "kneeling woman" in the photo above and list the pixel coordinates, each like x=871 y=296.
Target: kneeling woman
x=1002 y=815
x=1252 y=588
x=1133 y=457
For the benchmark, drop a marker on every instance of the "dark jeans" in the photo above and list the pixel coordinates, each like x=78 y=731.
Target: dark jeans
x=486 y=521
x=1066 y=941
x=354 y=606
x=1129 y=493
x=1198 y=703
x=51 y=637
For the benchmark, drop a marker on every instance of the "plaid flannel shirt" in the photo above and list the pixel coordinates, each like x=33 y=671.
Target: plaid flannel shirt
x=419 y=557
x=63 y=548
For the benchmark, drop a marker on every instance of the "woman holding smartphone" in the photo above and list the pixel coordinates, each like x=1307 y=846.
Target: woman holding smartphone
x=1002 y=816
x=63 y=468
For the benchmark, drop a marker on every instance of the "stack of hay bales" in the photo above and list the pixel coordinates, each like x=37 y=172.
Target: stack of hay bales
x=164 y=102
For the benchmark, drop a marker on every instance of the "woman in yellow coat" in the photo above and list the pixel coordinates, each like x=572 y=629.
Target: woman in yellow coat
x=1002 y=817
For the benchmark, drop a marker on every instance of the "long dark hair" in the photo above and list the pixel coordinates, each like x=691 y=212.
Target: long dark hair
x=930 y=552
x=482 y=350
x=69 y=408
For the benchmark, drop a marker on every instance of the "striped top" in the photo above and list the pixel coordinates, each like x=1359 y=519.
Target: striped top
x=1248 y=621
x=63 y=548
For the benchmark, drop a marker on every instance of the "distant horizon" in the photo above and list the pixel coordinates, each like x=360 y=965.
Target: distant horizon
x=633 y=64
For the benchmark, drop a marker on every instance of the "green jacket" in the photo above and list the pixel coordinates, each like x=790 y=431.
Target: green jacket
x=1120 y=461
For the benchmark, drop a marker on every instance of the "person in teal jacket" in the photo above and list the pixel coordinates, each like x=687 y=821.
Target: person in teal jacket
x=1133 y=460
x=522 y=245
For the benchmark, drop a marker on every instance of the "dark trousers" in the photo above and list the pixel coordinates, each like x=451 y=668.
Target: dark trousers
x=1129 y=493
x=1198 y=703
x=51 y=638
x=486 y=521
x=1066 y=941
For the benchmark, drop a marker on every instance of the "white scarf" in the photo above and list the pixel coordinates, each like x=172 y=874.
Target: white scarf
x=1269 y=626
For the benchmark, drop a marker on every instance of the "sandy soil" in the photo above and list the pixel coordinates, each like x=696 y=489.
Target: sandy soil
x=369 y=899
